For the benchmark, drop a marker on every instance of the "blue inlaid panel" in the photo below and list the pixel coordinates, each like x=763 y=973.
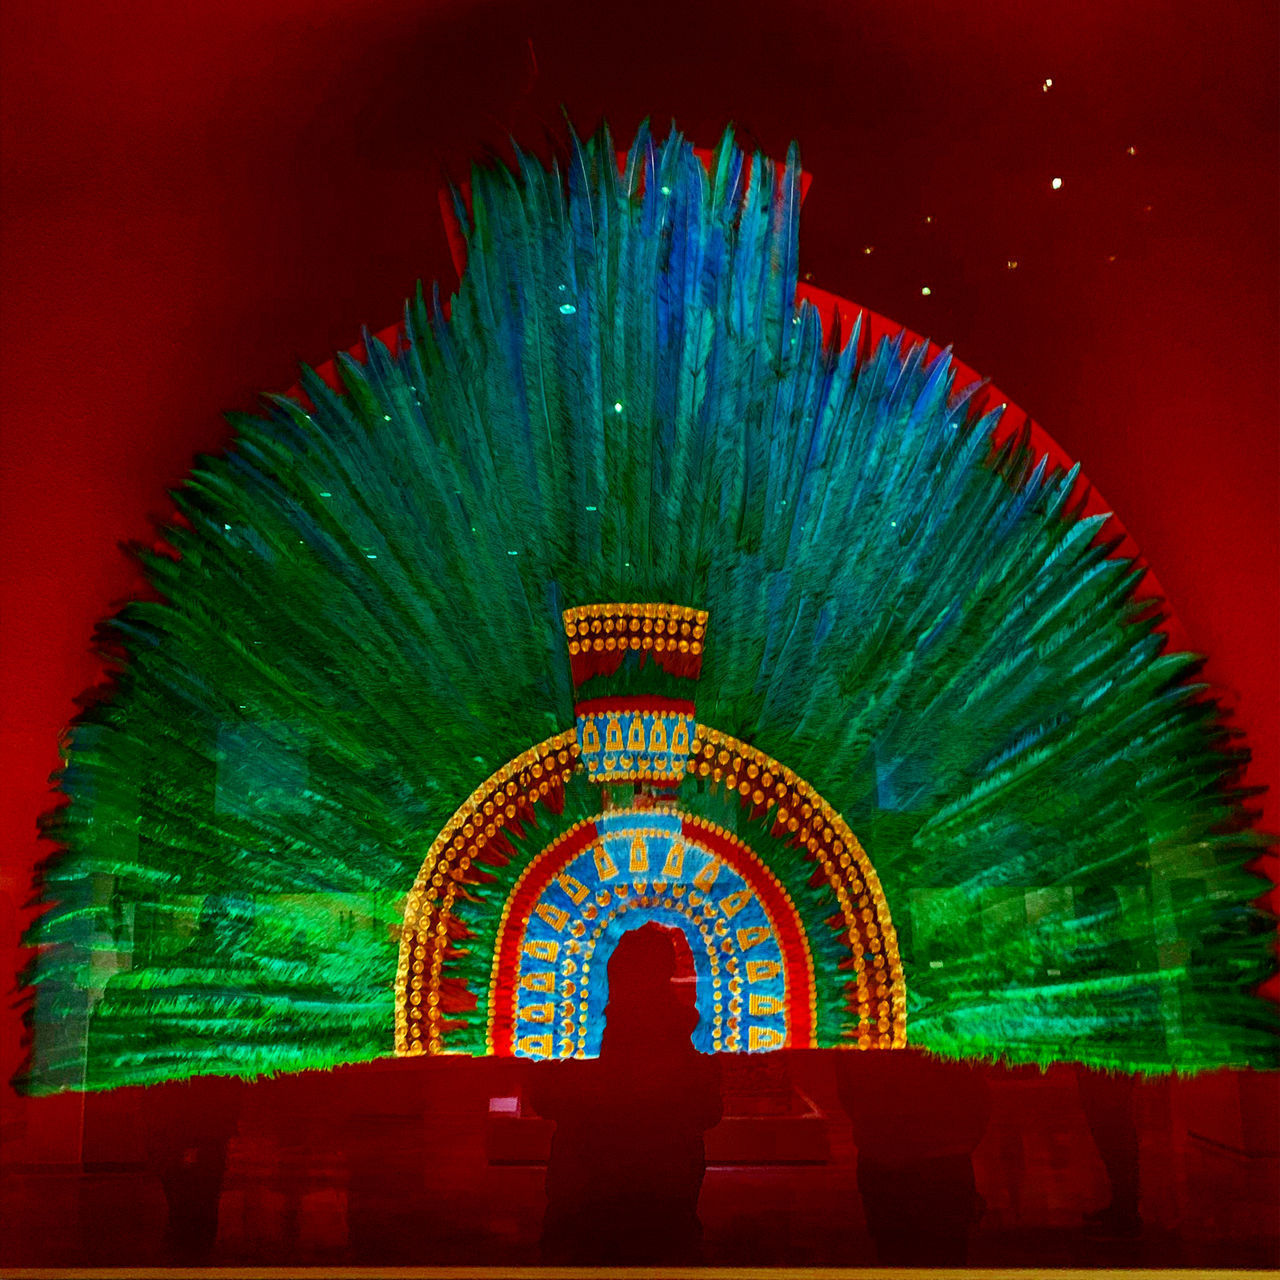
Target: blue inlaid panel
x=625 y=744
x=643 y=868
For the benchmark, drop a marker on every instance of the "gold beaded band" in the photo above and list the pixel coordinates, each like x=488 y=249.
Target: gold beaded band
x=674 y=634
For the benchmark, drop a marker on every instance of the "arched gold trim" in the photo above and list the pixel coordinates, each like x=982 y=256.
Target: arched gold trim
x=760 y=781
x=764 y=783
x=503 y=798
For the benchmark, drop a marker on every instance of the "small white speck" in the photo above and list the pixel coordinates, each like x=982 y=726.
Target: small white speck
x=926 y=291
x=593 y=508
x=226 y=526
x=1048 y=84
x=617 y=406
x=1056 y=184
x=567 y=308
x=513 y=553
x=935 y=964
x=370 y=557
x=326 y=494
x=666 y=191
x=386 y=417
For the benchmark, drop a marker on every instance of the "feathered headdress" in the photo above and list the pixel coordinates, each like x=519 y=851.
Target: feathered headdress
x=617 y=593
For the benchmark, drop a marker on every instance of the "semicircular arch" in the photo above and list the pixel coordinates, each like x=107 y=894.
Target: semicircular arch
x=783 y=803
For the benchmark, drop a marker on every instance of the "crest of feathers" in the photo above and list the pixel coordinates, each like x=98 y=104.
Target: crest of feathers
x=624 y=401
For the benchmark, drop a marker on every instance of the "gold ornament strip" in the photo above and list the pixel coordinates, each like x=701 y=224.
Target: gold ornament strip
x=658 y=627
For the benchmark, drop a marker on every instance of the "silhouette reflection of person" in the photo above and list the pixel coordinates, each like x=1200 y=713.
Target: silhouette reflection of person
x=627 y=1158
x=1108 y=1103
x=1106 y=1097
x=190 y=1123
x=916 y=1121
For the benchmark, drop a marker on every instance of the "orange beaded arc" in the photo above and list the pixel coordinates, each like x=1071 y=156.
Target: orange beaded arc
x=758 y=780
x=800 y=813
x=507 y=796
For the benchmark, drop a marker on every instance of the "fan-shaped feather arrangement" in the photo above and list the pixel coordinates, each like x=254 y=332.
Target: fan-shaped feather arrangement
x=618 y=593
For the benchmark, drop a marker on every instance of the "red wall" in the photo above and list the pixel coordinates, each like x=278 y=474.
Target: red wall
x=196 y=197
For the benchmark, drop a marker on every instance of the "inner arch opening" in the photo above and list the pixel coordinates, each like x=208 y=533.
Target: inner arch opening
x=661 y=960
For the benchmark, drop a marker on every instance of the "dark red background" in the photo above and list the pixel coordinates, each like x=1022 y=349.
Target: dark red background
x=196 y=197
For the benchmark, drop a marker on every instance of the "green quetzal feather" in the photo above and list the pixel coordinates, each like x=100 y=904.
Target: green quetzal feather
x=624 y=402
